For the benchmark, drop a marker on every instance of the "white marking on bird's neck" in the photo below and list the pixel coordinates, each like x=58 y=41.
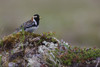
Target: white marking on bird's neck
x=34 y=21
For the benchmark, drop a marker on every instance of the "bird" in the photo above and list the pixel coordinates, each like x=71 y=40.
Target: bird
x=30 y=25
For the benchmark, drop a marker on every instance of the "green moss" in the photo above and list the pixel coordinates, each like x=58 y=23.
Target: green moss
x=76 y=55
x=21 y=37
x=66 y=57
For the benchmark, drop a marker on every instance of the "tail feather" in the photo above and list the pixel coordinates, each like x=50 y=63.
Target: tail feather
x=17 y=30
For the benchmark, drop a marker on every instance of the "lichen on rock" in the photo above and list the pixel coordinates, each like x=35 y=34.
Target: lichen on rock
x=24 y=49
x=20 y=48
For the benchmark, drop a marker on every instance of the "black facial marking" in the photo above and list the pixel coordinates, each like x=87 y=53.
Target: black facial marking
x=37 y=18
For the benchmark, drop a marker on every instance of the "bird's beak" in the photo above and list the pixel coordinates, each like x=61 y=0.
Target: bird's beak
x=39 y=17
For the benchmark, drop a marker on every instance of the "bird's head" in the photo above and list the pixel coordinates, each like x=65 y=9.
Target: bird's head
x=36 y=17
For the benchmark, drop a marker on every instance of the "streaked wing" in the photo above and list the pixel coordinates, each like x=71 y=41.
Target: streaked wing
x=28 y=24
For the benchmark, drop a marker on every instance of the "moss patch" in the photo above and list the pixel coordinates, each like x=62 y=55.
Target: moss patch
x=8 y=42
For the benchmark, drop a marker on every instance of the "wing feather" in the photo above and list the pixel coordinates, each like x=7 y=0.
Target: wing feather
x=27 y=24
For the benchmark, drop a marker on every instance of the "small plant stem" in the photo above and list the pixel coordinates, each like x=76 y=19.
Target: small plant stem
x=0 y=60
x=97 y=63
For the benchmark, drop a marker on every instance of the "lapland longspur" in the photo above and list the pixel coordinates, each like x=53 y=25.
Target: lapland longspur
x=31 y=25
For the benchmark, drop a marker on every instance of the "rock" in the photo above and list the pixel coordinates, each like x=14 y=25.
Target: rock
x=35 y=50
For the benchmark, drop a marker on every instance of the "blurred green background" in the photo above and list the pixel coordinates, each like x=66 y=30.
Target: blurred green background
x=75 y=21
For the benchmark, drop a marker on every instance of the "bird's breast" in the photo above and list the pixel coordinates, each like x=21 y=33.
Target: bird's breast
x=31 y=29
